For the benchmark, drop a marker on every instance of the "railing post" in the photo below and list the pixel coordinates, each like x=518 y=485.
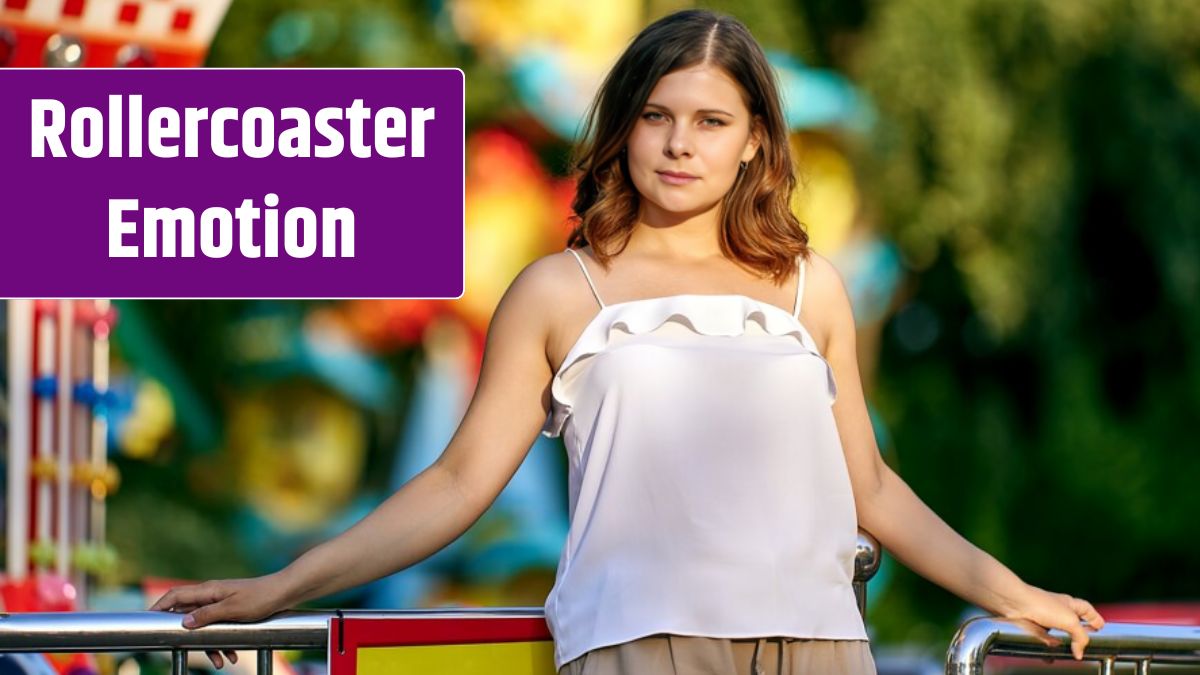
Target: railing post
x=265 y=661
x=178 y=662
x=866 y=564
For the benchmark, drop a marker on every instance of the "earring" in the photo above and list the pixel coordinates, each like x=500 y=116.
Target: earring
x=741 y=165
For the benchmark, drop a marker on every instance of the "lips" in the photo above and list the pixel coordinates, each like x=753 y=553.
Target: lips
x=676 y=178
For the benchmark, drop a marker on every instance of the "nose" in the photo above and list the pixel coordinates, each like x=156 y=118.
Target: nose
x=679 y=141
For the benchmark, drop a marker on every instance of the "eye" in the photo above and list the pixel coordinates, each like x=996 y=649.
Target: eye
x=651 y=115
x=718 y=123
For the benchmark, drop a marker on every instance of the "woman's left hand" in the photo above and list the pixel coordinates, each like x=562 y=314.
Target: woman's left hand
x=1058 y=610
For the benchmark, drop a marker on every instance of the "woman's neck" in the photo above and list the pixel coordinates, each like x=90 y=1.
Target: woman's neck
x=674 y=235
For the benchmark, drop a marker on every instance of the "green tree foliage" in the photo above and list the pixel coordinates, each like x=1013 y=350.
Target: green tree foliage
x=1036 y=162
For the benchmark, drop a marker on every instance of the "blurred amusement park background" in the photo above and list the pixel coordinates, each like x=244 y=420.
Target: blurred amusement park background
x=1007 y=186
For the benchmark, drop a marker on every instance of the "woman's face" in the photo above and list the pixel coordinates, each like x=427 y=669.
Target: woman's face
x=694 y=123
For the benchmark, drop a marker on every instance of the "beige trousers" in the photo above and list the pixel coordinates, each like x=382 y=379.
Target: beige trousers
x=685 y=655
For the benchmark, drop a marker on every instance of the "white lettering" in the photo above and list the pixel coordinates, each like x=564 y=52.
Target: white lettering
x=330 y=219
x=246 y=213
x=135 y=125
x=86 y=124
x=118 y=228
x=291 y=232
x=357 y=114
x=169 y=232
x=329 y=133
x=208 y=233
x=191 y=120
x=219 y=117
x=164 y=126
x=44 y=135
x=260 y=131
x=271 y=228
x=295 y=141
x=114 y=128
x=251 y=120
x=389 y=124
x=165 y=220
x=420 y=117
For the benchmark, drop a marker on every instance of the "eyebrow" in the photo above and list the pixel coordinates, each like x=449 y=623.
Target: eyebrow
x=702 y=111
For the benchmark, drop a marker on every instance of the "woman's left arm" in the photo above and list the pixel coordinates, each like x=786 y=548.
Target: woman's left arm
x=903 y=524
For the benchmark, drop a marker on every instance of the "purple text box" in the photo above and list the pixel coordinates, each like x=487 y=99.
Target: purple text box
x=57 y=213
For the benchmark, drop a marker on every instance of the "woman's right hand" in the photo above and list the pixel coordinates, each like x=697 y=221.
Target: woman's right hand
x=226 y=600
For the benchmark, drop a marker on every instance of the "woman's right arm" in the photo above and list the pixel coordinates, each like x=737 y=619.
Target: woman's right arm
x=501 y=422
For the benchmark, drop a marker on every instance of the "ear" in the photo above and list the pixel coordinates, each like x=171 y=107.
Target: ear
x=757 y=133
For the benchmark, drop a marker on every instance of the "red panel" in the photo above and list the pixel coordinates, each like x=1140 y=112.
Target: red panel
x=182 y=20
x=1178 y=613
x=15 y=4
x=7 y=48
x=347 y=635
x=129 y=12
x=101 y=49
x=72 y=8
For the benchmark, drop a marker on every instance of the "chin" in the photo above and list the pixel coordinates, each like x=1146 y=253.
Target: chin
x=682 y=207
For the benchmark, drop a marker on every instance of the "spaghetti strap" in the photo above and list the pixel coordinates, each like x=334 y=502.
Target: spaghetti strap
x=588 y=277
x=799 y=290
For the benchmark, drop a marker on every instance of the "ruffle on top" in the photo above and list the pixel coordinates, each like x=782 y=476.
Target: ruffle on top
x=710 y=315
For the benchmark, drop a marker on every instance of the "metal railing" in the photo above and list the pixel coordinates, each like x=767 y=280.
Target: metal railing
x=164 y=632
x=1137 y=643
x=159 y=632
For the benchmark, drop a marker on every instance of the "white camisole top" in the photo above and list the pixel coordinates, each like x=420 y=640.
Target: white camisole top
x=708 y=492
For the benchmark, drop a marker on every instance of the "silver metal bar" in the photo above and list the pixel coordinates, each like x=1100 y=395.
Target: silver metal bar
x=164 y=631
x=264 y=662
x=178 y=662
x=154 y=631
x=1108 y=666
x=982 y=637
x=1143 y=667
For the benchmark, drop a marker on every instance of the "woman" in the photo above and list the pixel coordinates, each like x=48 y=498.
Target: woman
x=700 y=365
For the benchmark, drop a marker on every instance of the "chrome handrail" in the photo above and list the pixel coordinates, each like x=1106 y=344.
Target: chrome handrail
x=156 y=631
x=163 y=631
x=1139 y=643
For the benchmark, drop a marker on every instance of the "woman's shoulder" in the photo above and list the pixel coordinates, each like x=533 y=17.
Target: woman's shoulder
x=822 y=276
x=548 y=280
x=550 y=300
x=544 y=289
x=826 y=299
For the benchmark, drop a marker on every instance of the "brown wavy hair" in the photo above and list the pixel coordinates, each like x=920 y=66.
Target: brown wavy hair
x=758 y=228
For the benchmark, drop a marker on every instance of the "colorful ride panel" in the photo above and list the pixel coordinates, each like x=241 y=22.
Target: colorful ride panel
x=457 y=643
